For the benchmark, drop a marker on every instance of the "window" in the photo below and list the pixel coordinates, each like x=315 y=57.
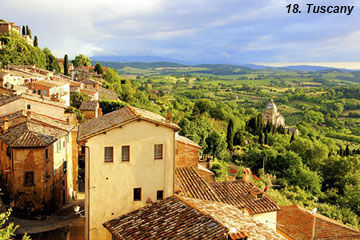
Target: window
x=8 y=152
x=28 y=106
x=58 y=146
x=137 y=194
x=44 y=92
x=64 y=166
x=158 y=151
x=108 y=154
x=125 y=153
x=46 y=153
x=160 y=195
x=29 y=179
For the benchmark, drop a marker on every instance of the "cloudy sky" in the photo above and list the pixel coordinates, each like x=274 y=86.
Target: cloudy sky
x=194 y=31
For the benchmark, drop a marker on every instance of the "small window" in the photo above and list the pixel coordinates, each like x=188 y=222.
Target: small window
x=8 y=152
x=58 y=146
x=160 y=195
x=28 y=107
x=125 y=153
x=64 y=166
x=44 y=92
x=137 y=194
x=46 y=153
x=108 y=154
x=2 y=146
x=29 y=179
x=158 y=151
x=259 y=196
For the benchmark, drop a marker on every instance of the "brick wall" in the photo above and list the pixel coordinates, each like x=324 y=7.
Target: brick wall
x=186 y=155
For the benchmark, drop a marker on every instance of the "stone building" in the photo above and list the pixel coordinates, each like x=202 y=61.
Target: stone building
x=9 y=27
x=129 y=161
x=36 y=163
x=90 y=109
x=272 y=115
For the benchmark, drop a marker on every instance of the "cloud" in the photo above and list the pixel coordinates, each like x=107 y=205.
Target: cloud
x=231 y=31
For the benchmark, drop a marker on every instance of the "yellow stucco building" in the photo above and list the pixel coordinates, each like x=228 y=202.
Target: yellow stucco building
x=130 y=158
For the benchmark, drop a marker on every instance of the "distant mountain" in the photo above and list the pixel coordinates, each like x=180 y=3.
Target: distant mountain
x=143 y=59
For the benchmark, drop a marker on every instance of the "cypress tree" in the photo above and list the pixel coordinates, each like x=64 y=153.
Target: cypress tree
x=23 y=31
x=292 y=137
x=66 y=65
x=36 y=44
x=230 y=134
x=266 y=138
x=347 y=150
x=26 y=30
x=261 y=138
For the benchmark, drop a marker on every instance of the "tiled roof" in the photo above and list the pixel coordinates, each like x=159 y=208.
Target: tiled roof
x=234 y=219
x=89 y=81
x=89 y=105
x=117 y=118
x=237 y=194
x=192 y=184
x=300 y=224
x=186 y=218
x=7 y=99
x=108 y=94
x=29 y=134
x=186 y=141
x=171 y=218
x=47 y=83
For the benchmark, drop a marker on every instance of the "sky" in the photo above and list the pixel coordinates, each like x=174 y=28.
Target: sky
x=192 y=31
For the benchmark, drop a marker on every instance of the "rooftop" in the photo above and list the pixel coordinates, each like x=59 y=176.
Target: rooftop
x=186 y=141
x=119 y=117
x=89 y=105
x=192 y=184
x=237 y=193
x=185 y=218
x=301 y=224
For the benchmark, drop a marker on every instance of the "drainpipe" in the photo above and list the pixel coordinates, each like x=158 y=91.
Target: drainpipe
x=87 y=179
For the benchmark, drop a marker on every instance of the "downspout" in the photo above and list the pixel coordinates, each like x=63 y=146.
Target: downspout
x=87 y=179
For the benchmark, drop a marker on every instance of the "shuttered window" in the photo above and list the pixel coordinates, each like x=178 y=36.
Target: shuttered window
x=158 y=151
x=109 y=154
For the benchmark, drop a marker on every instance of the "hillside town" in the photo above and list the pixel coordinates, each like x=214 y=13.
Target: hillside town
x=141 y=178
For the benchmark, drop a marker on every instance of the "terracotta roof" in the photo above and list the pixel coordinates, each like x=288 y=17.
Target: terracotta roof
x=119 y=117
x=171 y=218
x=237 y=193
x=30 y=134
x=204 y=169
x=301 y=224
x=47 y=83
x=108 y=94
x=186 y=218
x=89 y=105
x=7 y=99
x=192 y=184
x=241 y=224
x=74 y=89
x=186 y=141
x=89 y=81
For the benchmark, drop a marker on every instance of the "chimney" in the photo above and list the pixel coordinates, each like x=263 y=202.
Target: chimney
x=68 y=121
x=5 y=124
x=168 y=118
x=28 y=116
x=247 y=175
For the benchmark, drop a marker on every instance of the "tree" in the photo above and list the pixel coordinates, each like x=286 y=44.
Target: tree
x=66 y=65
x=230 y=135
x=36 y=44
x=8 y=231
x=23 y=32
x=51 y=61
x=81 y=60
x=77 y=98
x=98 y=68
x=28 y=31
x=292 y=137
x=347 y=151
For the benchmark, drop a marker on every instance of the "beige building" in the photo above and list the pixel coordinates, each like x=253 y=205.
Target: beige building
x=29 y=102
x=56 y=90
x=272 y=115
x=90 y=109
x=130 y=158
